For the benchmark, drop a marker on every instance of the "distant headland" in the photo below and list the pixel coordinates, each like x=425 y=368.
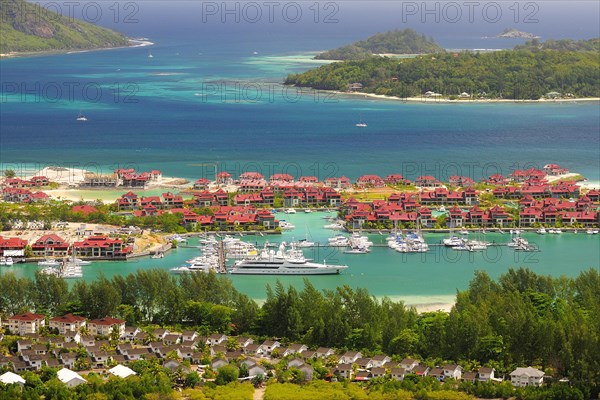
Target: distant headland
x=29 y=29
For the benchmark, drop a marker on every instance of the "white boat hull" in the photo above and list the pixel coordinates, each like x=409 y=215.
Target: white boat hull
x=284 y=268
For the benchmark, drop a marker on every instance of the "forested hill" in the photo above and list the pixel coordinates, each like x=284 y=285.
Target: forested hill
x=26 y=27
x=405 y=41
x=563 y=45
x=508 y=74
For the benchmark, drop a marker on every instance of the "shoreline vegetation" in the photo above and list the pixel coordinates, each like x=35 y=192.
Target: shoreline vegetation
x=133 y=43
x=501 y=76
x=29 y=29
x=519 y=319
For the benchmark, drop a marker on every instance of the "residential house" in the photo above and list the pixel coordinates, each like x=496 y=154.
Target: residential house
x=344 y=370
x=486 y=374
x=362 y=376
x=325 y=352
x=437 y=373
x=269 y=345
x=67 y=323
x=469 y=376
x=12 y=247
x=105 y=326
x=307 y=370
x=420 y=370
x=101 y=246
x=378 y=372
x=529 y=376
x=255 y=370
x=50 y=245
x=408 y=364
x=70 y=378
x=10 y=378
x=380 y=360
x=215 y=339
x=218 y=363
x=452 y=371
x=350 y=357
x=28 y=322
x=294 y=349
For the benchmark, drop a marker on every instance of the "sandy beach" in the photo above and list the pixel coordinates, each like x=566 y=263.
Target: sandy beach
x=445 y=100
x=433 y=307
x=70 y=178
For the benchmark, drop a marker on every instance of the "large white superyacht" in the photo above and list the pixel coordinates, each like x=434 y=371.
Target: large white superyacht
x=283 y=262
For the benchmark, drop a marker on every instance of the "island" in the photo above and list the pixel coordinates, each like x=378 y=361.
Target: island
x=527 y=74
x=512 y=33
x=396 y=42
x=25 y=29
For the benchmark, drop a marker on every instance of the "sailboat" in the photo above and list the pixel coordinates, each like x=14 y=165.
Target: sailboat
x=81 y=117
x=361 y=124
x=150 y=54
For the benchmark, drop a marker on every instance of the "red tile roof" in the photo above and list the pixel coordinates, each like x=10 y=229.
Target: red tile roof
x=107 y=321
x=68 y=318
x=28 y=317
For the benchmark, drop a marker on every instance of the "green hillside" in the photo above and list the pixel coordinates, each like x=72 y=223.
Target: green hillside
x=25 y=27
x=562 y=45
x=508 y=74
x=405 y=41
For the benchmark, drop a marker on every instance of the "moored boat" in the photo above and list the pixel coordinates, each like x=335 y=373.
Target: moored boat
x=284 y=262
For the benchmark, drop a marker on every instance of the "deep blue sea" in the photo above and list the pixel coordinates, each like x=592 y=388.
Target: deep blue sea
x=211 y=93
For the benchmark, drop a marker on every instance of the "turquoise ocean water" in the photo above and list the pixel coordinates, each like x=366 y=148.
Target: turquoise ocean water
x=425 y=278
x=212 y=94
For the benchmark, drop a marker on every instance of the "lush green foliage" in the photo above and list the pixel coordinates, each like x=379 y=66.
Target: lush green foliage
x=510 y=74
x=405 y=41
x=56 y=211
x=26 y=27
x=563 y=45
x=521 y=319
x=153 y=382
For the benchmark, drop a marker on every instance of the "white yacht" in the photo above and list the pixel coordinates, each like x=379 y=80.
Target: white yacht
x=358 y=241
x=338 y=241
x=475 y=245
x=290 y=211
x=49 y=262
x=453 y=241
x=305 y=243
x=283 y=262
x=81 y=117
x=357 y=250
x=336 y=226
x=9 y=261
x=464 y=232
x=2 y=261
x=307 y=210
x=541 y=231
x=286 y=225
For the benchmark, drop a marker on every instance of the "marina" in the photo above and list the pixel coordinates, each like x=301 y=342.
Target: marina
x=418 y=278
